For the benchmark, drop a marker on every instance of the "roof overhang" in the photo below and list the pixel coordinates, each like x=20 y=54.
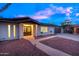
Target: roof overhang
x=24 y=20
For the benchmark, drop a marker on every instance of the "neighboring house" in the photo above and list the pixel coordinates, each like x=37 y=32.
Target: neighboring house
x=58 y=29
x=24 y=27
x=76 y=29
x=73 y=29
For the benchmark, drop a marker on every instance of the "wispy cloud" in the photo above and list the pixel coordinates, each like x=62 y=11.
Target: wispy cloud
x=39 y=17
x=21 y=16
x=68 y=11
x=43 y=14
x=51 y=10
x=77 y=14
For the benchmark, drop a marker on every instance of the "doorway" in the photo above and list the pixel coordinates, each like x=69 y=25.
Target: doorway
x=28 y=32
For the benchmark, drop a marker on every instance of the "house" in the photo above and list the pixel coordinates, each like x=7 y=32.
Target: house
x=73 y=29
x=57 y=29
x=23 y=27
x=76 y=29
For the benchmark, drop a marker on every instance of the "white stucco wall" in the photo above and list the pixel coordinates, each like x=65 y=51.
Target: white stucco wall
x=21 y=30
x=4 y=31
x=50 y=30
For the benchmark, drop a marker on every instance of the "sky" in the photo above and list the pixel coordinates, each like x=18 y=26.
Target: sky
x=54 y=13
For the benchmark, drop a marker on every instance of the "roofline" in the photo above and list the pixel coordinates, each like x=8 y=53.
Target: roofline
x=23 y=20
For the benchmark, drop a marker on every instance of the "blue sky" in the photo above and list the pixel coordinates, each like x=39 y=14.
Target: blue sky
x=54 y=13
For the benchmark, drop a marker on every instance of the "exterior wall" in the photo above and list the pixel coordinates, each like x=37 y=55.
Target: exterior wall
x=58 y=30
x=4 y=31
x=50 y=30
x=76 y=30
x=21 y=30
x=12 y=32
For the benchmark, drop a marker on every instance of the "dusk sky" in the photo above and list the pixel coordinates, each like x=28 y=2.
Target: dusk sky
x=54 y=13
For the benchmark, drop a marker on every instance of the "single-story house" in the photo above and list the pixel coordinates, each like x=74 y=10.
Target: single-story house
x=76 y=29
x=73 y=29
x=57 y=29
x=23 y=27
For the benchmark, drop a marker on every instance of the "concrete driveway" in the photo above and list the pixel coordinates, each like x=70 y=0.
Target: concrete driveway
x=74 y=37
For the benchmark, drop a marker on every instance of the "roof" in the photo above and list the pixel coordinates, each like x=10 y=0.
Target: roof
x=24 y=20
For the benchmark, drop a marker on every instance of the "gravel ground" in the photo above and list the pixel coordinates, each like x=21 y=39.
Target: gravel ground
x=69 y=46
x=19 y=48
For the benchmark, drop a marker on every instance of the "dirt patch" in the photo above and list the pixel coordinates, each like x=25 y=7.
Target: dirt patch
x=69 y=46
x=19 y=48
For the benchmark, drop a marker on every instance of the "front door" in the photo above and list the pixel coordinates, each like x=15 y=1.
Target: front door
x=28 y=31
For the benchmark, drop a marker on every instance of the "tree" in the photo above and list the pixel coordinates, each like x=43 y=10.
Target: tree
x=5 y=7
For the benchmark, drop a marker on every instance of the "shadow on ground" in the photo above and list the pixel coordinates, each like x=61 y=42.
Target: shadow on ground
x=19 y=48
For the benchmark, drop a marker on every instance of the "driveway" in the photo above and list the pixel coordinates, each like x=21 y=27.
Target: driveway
x=19 y=48
x=66 y=45
x=59 y=45
x=74 y=37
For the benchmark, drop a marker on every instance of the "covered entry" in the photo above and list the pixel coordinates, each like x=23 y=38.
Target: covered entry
x=28 y=32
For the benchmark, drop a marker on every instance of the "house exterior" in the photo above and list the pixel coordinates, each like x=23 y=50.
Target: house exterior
x=76 y=29
x=24 y=27
x=57 y=29
x=72 y=29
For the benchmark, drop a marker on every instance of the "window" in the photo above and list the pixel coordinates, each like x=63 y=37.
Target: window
x=44 y=29
x=9 y=30
x=14 y=30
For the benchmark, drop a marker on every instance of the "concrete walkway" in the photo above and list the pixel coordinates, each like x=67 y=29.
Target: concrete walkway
x=50 y=51
x=74 y=37
x=46 y=38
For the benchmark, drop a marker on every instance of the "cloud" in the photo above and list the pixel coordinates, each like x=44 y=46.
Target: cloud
x=39 y=17
x=77 y=14
x=47 y=12
x=60 y=10
x=68 y=11
x=70 y=8
x=67 y=14
x=50 y=11
x=21 y=16
x=43 y=14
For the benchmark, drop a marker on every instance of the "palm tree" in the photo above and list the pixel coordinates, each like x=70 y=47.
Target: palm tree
x=5 y=7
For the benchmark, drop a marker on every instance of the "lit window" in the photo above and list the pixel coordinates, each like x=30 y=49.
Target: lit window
x=14 y=31
x=44 y=29
x=9 y=30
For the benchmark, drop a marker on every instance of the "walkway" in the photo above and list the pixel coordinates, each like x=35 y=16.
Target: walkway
x=50 y=51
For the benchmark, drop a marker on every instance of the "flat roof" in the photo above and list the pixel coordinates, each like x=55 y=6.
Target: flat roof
x=24 y=20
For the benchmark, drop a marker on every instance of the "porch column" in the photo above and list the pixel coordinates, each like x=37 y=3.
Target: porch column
x=36 y=30
x=75 y=30
x=21 y=30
